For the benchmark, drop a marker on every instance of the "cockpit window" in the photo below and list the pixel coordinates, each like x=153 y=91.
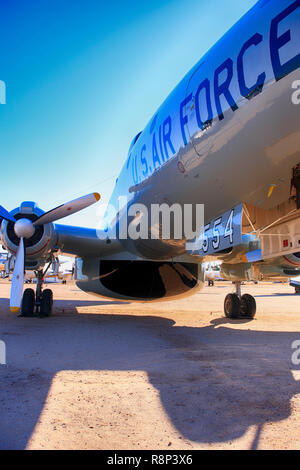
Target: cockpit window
x=134 y=141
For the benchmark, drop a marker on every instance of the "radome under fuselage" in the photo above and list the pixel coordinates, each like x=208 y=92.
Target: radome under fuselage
x=229 y=130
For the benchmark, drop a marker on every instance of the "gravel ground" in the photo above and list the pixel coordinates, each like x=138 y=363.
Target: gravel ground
x=100 y=374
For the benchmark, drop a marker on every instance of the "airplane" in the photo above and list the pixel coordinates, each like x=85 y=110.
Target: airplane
x=59 y=271
x=212 y=274
x=228 y=137
x=295 y=282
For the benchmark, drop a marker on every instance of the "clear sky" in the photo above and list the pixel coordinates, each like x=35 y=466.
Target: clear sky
x=83 y=77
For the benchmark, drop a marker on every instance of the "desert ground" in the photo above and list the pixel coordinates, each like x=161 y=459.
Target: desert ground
x=100 y=374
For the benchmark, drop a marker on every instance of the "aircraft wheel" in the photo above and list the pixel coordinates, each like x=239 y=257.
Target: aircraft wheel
x=46 y=303
x=248 y=306
x=232 y=306
x=28 y=303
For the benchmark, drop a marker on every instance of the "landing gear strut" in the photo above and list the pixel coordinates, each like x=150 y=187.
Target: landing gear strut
x=39 y=302
x=238 y=306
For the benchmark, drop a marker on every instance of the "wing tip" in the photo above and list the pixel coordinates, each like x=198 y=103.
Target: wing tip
x=15 y=309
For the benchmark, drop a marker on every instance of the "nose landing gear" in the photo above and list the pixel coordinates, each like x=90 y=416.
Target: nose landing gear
x=237 y=306
x=39 y=302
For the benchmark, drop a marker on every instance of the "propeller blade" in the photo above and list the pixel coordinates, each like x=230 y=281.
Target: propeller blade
x=4 y=214
x=18 y=279
x=68 y=209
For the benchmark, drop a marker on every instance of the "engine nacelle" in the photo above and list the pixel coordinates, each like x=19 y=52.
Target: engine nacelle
x=139 y=280
x=39 y=246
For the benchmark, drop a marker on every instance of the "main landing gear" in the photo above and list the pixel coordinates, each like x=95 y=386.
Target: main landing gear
x=238 y=306
x=39 y=302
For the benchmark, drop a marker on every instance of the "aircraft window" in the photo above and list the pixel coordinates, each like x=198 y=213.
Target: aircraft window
x=134 y=141
x=136 y=137
x=207 y=125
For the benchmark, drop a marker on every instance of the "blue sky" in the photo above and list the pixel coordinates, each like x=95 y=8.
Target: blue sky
x=83 y=77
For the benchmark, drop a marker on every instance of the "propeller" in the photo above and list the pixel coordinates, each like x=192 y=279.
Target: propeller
x=4 y=214
x=25 y=229
x=18 y=279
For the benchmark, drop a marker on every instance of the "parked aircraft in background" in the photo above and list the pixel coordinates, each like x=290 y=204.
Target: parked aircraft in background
x=295 y=282
x=4 y=265
x=61 y=270
x=226 y=137
x=212 y=273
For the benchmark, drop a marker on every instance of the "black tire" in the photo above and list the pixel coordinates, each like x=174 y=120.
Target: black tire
x=248 y=306
x=232 y=306
x=46 y=303
x=28 y=303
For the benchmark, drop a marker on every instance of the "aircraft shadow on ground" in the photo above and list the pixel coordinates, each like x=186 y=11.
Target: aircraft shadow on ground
x=214 y=382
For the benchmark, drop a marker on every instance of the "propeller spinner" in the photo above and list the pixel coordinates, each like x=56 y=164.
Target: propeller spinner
x=24 y=228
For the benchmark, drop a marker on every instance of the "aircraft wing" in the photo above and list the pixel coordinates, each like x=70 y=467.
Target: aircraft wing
x=85 y=242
